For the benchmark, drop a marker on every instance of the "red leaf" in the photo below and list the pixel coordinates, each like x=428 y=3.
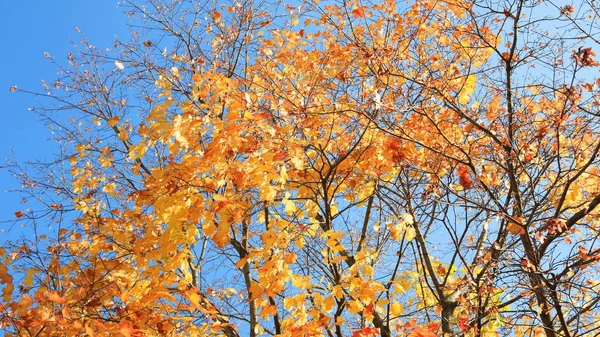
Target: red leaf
x=463 y=323
x=529 y=157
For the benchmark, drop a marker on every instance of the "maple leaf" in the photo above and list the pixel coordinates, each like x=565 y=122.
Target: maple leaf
x=358 y=12
x=396 y=309
x=394 y=146
x=421 y=332
x=195 y=298
x=113 y=121
x=126 y=329
x=441 y=270
x=554 y=226
x=464 y=177
x=216 y=17
x=281 y=173
x=515 y=227
x=88 y=330
x=463 y=323
x=55 y=297
x=527 y=265
x=365 y=332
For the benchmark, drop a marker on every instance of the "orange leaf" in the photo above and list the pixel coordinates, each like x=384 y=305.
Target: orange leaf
x=463 y=177
x=515 y=226
x=19 y=214
x=527 y=265
x=217 y=17
x=194 y=298
x=280 y=155
x=89 y=330
x=369 y=309
x=112 y=121
x=55 y=297
x=421 y=332
x=359 y=12
x=364 y=332
x=441 y=270
x=100 y=325
x=408 y=324
x=126 y=329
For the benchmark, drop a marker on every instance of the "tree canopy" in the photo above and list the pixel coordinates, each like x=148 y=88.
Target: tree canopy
x=301 y=168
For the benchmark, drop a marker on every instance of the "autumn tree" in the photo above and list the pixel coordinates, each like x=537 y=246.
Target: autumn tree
x=348 y=168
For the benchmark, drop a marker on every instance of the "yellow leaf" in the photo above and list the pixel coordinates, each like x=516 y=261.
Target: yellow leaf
x=258 y=329
x=110 y=189
x=467 y=89
x=396 y=309
x=283 y=176
x=290 y=206
x=409 y=233
x=137 y=151
x=401 y=285
x=574 y=194
x=300 y=282
x=268 y=192
x=194 y=298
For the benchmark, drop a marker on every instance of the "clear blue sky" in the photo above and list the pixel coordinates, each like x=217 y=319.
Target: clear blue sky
x=29 y=28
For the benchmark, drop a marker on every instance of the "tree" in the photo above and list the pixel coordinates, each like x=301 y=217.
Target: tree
x=342 y=169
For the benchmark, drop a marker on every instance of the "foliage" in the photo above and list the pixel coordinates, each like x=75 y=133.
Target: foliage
x=349 y=168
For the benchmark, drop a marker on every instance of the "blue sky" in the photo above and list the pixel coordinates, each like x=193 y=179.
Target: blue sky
x=28 y=29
